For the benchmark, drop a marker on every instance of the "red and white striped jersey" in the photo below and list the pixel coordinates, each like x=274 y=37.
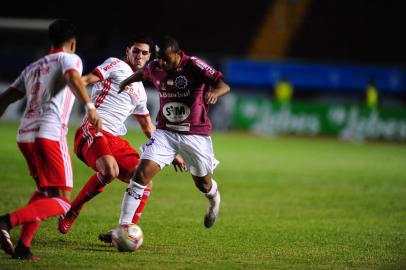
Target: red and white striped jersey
x=112 y=107
x=49 y=99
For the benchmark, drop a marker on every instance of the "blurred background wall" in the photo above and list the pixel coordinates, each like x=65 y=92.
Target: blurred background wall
x=312 y=67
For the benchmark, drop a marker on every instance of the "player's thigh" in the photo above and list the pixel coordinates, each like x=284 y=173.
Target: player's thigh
x=28 y=151
x=53 y=162
x=161 y=148
x=126 y=156
x=127 y=165
x=95 y=151
x=197 y=151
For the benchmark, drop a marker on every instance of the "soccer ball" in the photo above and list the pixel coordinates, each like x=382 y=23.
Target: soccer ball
x=127 y=238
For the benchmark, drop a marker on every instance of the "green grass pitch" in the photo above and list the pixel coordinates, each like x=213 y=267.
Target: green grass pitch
x=287 y=203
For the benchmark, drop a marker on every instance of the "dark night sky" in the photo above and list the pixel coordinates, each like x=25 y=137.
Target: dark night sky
x=354 y=31
x=366 y=31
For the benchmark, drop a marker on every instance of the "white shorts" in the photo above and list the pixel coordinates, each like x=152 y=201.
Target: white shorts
x=196 y=150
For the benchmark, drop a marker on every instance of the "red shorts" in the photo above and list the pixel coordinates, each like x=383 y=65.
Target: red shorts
x=49 y=162
x=90 y=146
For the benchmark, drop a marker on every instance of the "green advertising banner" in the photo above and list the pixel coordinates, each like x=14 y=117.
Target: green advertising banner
x=352 y=122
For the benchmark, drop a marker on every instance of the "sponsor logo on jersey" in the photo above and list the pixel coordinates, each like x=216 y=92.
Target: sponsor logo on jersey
x=176 y=111
x=175 y=94
x=150 y=142
x=109 y=66
x=182 y=127
x=26 y=130
x=202 y=65
x=132 y=91
x=181 y=82
x=210 y=70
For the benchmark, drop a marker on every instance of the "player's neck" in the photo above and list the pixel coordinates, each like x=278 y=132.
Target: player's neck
x=68 y=47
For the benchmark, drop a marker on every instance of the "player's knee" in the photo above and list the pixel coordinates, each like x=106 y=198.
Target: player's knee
x=109 y=173
x=127 y=168
x=142 y=178
x=203 y=183
x=126 y=175
x=203 y=187
x=109 y=176
x=145 y=172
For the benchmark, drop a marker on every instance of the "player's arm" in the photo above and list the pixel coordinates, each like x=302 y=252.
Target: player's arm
x=146 y=124
x=79 y=90
x=90 y=78
x=9 y=96
x=219 y=89
x=135 y=77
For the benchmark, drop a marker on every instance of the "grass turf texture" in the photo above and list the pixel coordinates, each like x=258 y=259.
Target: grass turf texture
x=287 y=203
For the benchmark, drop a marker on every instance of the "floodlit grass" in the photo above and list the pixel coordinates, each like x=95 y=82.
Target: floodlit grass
x=287 y=203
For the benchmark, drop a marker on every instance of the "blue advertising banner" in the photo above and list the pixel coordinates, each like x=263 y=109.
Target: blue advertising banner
x=244 y=73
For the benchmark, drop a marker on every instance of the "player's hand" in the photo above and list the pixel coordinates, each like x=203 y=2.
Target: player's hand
x=95 y=119
x=211 y=97
x=179 y=163
x=123 y=85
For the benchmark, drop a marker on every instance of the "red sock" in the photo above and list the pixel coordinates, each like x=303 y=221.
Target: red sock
x=39 y=210
x=28 y=229
x=140 y=208
x=93 y=187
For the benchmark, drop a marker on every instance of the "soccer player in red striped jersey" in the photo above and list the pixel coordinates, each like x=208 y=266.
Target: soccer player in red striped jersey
x=50 y=85
x=106 y=152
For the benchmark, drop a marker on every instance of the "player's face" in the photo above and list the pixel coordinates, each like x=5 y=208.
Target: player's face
x=138 y=55
x=168 y=59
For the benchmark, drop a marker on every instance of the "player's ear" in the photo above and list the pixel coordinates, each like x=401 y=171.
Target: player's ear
x=73 y=45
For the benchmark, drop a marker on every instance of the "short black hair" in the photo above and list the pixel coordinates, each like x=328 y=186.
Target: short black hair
x=165 y=42
x=141 y=39
x=61 y=31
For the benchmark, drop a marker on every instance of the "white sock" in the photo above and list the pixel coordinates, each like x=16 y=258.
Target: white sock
x=131 y=201
x=213 y=190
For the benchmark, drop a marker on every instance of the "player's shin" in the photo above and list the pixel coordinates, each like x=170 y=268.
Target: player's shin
x=28 y=230
x=140 y=208
x=94 y=186
x=213 y=190
x=131 y=201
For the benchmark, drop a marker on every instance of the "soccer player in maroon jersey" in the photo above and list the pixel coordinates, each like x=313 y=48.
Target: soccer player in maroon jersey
x=49 y=85
x=187 y=86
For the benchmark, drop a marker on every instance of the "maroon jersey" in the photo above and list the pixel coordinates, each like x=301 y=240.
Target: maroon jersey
x=181 y=94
